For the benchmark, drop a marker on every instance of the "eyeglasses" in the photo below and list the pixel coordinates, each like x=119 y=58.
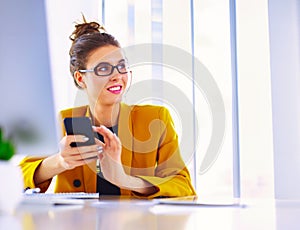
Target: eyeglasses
x=106 y=69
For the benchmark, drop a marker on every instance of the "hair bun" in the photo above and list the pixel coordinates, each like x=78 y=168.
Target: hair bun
x=86 y=28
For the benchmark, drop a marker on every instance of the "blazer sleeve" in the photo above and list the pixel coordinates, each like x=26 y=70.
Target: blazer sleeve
x=28 y=166
x=172 y=178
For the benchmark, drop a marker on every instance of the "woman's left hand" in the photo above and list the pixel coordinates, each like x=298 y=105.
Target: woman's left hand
x=110 y=159
x=112 y=168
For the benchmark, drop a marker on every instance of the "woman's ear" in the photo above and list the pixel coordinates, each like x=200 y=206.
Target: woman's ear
x=78 y=77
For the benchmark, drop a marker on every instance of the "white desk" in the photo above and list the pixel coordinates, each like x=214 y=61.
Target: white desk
x=262 y=214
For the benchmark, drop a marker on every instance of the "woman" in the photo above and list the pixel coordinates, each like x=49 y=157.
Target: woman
x=136 y=147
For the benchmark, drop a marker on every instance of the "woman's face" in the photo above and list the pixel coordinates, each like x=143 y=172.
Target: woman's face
x=105 y=90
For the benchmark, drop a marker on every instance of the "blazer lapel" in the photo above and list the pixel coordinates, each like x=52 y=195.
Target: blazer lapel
x=126 y=136
x=90 y=177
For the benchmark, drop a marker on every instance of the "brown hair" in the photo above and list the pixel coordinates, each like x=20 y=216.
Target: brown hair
x=87 y=37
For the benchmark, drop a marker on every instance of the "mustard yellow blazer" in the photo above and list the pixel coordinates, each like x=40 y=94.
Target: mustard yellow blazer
x=149 y=150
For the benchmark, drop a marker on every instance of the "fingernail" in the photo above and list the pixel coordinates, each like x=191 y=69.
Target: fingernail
x=85 y=138
x=99 y=149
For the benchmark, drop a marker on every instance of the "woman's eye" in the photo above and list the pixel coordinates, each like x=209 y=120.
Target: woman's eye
x=122 y=66
x=103 y=68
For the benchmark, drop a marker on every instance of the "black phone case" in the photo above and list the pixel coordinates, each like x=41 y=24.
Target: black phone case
x=80 y=126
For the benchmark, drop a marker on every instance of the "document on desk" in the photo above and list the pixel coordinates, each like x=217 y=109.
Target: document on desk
x=194 y=201
x=58 y=198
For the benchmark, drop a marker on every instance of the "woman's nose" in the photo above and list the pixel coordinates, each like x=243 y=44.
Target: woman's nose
x=115 y=75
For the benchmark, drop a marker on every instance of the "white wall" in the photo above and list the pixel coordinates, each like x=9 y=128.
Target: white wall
x=285 y=75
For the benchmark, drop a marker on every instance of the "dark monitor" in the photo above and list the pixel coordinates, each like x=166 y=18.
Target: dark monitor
x=27 y=113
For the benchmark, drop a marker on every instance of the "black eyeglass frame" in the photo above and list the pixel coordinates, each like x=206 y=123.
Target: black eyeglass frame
x=112 y=68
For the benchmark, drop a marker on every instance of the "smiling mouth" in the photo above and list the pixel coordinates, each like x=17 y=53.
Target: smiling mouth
x=115 y=89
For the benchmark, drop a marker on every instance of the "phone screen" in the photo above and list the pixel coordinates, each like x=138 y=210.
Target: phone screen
x=80 y=126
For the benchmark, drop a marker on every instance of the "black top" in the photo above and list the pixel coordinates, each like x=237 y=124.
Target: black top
x=104 y=187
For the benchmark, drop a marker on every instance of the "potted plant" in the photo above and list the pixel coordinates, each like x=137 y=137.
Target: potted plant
x=7 y=149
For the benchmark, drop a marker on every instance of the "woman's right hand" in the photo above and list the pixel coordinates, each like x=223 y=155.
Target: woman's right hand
x=72 y=157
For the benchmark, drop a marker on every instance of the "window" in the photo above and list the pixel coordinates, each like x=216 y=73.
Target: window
x=203 y=30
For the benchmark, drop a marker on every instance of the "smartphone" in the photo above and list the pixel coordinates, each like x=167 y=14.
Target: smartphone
x=80 y=126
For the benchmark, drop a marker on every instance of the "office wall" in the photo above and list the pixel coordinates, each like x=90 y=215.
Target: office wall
x=285 y=76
